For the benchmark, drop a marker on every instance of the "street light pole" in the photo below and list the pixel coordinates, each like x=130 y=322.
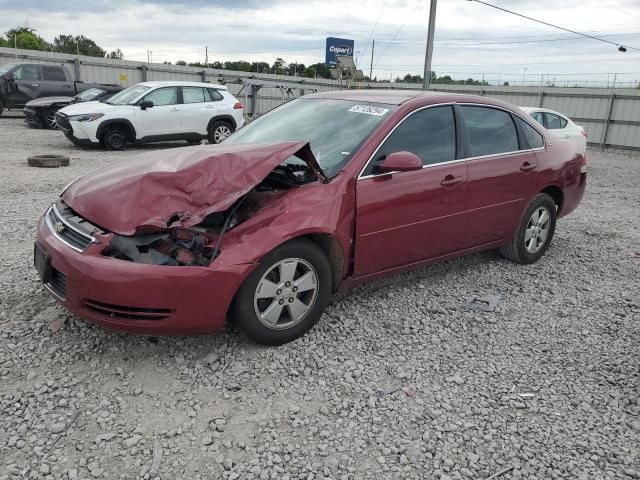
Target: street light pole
x=428 y=56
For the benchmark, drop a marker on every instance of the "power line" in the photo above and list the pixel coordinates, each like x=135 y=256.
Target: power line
x=372 y=31
x=621 y=9
x=552 y=25
x=399 y=30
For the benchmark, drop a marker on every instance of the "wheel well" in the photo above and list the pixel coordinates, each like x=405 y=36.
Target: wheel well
x=333 y=250
x=555 y=193
x=127 y=127
x=224 y=118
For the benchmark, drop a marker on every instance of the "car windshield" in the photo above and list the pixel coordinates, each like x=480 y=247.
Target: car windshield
x=334 y=128
x=5 y=68
x=128 y=95
x=90 y=94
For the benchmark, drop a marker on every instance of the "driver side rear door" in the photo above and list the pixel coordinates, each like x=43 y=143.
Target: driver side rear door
x=409 y=217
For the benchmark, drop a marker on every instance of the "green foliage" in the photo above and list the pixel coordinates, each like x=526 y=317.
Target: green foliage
x=115 y=54
x=26 y=38
x=77 y=45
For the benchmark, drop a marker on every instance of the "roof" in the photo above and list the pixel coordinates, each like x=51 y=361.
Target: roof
x=178 y=83
x=397 y=97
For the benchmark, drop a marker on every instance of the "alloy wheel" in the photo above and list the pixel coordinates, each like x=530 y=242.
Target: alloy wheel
x=286 y=293
x=537 y=231
x=51 y=120
x=220 y=133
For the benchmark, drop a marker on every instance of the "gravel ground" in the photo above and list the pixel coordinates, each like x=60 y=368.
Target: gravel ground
x=400 y=379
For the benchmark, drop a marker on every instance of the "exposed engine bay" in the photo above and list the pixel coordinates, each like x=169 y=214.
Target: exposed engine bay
x=199 y=245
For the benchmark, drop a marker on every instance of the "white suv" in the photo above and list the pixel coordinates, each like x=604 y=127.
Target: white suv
x=154 y=112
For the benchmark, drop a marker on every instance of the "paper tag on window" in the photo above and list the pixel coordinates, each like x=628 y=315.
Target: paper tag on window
x=369 y=110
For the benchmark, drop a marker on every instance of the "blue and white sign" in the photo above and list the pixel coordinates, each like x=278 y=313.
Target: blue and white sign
x=337 y=46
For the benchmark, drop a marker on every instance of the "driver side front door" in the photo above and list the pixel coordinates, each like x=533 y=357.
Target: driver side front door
x=409 y=217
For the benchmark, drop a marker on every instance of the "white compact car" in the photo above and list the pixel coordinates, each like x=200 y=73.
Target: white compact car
x=559 y=125
x=154 y=112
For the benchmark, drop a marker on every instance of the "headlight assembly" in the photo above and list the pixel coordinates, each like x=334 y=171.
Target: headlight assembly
x=87 y=117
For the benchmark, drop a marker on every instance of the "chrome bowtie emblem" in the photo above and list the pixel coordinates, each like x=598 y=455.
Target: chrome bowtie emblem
x=58 y=227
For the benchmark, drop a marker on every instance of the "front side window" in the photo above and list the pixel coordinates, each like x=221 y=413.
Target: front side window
x=54 y=74
x=28 y=72
x=554 y=122
x=491 y=131
x=163 y=96
x=531 y=135
x=194 y=95
x=430 y=134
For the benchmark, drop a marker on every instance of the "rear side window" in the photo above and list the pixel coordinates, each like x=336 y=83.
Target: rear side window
x=55 y=74
x=28 y=72
x=163 y=96
x=428 y=133
x=537 y=116
x=215 y=95
x=491 y=131
x=194 y=95
x=532 y=137
x=554 y=122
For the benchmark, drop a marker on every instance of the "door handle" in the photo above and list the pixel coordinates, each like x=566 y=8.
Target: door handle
x=450 y=180
x=35 y=84
x=174 y=110
x=526 y=166
x=566 y=136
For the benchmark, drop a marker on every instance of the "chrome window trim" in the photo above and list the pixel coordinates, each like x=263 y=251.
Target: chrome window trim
x=67 y=225
x=458 y=160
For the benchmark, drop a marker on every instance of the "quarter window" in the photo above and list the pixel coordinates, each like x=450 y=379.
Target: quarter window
x=531 y=135
x=55 y=74
x=194 y=95
x=428 y=133
x=537 y=116
x=554 y=122
x=216 y=96
x=491 y=131
x=163 y=96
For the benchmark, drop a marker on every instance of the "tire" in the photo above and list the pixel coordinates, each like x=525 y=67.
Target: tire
x=48 y=120
x=48 y=161
x=269 y=281
x=533 y=237
x=115 y=138
x=219 y=130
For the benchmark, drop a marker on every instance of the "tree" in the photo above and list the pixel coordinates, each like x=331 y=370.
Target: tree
x=182 y=63
x=26 y=38
x=279 y=66
x=319 y=70
x=78 y=44
x=115 y=54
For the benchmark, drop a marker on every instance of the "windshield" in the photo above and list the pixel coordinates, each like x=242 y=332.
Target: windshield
x=5 y=68
x=128 y=95
x=90 y=94
x=334 y=128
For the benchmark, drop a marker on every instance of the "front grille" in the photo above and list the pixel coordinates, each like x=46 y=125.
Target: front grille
x=58 y=283
x=126 y=312
x=63 y=122
x=60 y=225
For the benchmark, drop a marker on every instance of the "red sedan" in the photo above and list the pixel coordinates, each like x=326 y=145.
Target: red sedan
x=320 y=193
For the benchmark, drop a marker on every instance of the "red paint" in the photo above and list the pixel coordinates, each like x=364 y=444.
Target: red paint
x=392 y=222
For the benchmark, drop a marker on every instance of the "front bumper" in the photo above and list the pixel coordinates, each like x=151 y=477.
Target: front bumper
x=147 y=299
x=32 y=117
x=78 y=132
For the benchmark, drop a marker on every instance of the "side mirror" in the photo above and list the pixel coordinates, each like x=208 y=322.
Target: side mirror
x=146 y=104
x=400 y=162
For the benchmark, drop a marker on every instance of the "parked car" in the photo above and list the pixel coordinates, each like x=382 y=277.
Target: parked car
x=21 y=83
x=41 y=113
x=154 y=112
x=319 y=194
x=559 y=125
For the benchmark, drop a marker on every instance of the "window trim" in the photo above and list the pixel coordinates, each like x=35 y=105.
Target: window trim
x=457 y=160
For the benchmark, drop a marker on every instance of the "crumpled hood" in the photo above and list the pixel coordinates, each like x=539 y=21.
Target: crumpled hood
x=46 y=101
x=176 y=187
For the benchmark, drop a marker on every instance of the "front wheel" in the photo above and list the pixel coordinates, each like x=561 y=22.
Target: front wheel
x=49 y=120
x=114 y=139
x=286 y=295
x=533 y=237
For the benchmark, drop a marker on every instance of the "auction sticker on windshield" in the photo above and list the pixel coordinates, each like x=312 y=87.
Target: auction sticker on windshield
x=369 y=110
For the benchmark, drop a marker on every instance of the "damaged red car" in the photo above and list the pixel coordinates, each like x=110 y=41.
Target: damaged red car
x=319 y=194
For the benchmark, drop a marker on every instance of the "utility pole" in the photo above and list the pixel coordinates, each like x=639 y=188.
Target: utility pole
x=428 y=56
x=615 y=76
x=373 y=47
x=15 y=45
x=206 y=56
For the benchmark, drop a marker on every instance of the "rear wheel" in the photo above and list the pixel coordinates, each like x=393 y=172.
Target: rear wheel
x=219 y=130
x=115 y=138
x=533 y=237
x=286 y=295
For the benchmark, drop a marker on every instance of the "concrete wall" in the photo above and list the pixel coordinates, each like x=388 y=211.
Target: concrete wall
x=611 y=117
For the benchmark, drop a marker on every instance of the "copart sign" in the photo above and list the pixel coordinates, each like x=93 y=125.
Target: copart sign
x=337 y=46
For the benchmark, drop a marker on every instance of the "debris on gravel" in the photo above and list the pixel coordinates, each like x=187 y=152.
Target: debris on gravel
x=399 y=380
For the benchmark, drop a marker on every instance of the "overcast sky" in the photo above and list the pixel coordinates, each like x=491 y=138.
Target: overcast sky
x=471 y=39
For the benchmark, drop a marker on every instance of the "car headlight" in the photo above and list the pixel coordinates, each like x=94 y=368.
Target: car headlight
x=87 y=117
